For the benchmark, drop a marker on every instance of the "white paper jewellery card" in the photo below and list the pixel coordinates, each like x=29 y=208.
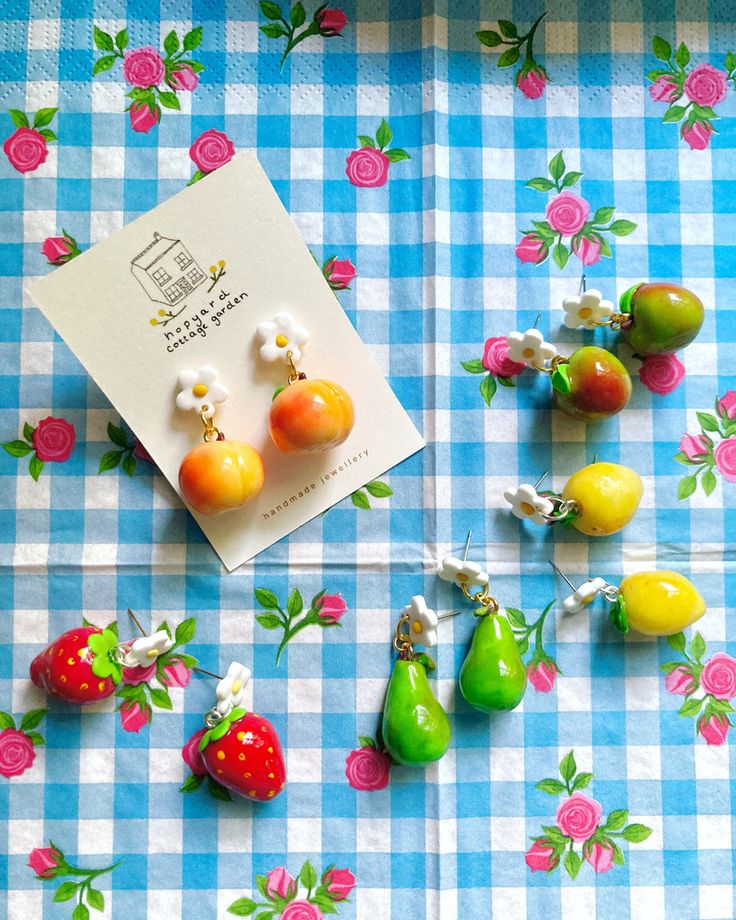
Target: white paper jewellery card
x=185 y=287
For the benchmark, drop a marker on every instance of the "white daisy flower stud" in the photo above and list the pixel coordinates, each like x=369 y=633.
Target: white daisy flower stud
x=528 y=505
x=145 y=651
x=462 y=573
x=586 y=311
x=584 y=595
x=530 y=348
x=200 y=390
x=230 y=691
x=280 y=336
x=423 y=621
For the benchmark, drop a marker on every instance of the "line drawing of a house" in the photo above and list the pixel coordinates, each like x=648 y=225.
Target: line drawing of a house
x=166 y=270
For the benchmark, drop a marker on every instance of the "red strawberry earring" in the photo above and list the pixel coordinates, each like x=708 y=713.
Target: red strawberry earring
x=239 y=751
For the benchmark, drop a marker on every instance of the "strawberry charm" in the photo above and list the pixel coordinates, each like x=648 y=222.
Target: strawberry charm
x=78 y=666
x=239 y=750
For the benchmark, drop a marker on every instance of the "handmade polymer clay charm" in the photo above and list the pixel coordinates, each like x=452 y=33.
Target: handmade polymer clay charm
x=598 y=500
x=655 y=603
x=416 y=730
x=654 y=319
x=218 y=475
x=306 y=416
x=240 y=750
x=592 y=384
x=492 y=677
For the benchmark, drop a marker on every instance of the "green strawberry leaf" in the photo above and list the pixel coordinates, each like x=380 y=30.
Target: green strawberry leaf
x=619 y=615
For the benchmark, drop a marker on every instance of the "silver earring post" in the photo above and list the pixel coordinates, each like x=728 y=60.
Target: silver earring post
x=562 y=575
x=581 y=289
x=467 y=545
x=447 y=616
x=541 y=479
x=137 y=622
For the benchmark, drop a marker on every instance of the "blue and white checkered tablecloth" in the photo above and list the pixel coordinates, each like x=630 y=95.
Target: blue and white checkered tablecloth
x=437 y=276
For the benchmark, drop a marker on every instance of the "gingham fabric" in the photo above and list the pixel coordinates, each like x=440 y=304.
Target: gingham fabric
x=437 y=275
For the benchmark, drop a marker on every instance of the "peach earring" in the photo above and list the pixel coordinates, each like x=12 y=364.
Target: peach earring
x=218 y=475
x=306 y=416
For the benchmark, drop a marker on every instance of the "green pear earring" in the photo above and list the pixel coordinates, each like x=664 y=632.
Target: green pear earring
x=493 y=676
x=416 y=730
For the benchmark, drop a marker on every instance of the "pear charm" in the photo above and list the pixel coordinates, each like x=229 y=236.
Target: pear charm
x=416 y=730
x=493 y=676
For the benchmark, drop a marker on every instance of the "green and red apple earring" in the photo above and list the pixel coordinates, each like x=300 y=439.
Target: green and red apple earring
x=415 y=728
x=654 y=319
x=492 y=677
x=306 y=416
x=592 y=384
x=598 y=500
x=654 y=603
x=218 y=475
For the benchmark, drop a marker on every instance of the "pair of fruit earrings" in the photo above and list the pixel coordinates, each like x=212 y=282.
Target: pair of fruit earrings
x=239 y=749
x=306 y=416
x=415 y=729
x=592 y=384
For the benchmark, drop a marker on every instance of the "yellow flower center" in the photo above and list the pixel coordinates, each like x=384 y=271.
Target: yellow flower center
x=154 y=321
x=152 y=653
x=527 y=508
x=236 y=687
x=199 y=390
x=528 y=352
x=461 y=576
x=162 y=312
x=585 y=601
x=221 y=263
x=281 y=340
x=416 y=626
x=212 y=269
x=584 y=313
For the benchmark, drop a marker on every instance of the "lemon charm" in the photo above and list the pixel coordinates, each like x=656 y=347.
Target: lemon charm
x=655 y=603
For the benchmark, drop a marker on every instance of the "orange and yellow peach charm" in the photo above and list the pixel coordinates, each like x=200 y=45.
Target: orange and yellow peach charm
x=306 y=416
x=218 y=475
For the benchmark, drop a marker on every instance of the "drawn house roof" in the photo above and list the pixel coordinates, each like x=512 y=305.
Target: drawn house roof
x=153 y=252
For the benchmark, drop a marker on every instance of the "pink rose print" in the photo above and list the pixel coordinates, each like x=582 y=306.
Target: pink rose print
x=542 y=675
x=706 y=85
x=338 y=273
x=44 y=861
x=496 y=358
x=339 y=882
x=531 y=78
x=727 y=404
x=325 y=611
x=367 y=167
x=183 y=78
x=680 y=681
x=331 y=22
x=16 y=753
x=134 y=676
x=694 y=446
x=143 y=67
x=176 y=674
x=600 y=856
x=567 y=213
x=140 y=452
x=715 y=729
x=662 y=373
x=301 y=910
x=133 y=716
x=151 y=75
x=54 y=439
x=280 y=884
x=587 y=249
x=569 y=228
x=192 y=756
x=540 y=857
x=724 y=455
x=532 y=82
x=665 y=89
x=719 y=677
x=331 y=607
x=697 y=135
x=326 y=22
x=578 y=817
x=26 y=149
x=579 y=820
x=691 y=92
x=317 y=894
x=368 y=768
x=211 y=150
x=60 y=249
x=530 y=248
x=143 y=117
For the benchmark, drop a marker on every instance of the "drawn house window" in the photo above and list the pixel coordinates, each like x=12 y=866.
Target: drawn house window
x=166 y=270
